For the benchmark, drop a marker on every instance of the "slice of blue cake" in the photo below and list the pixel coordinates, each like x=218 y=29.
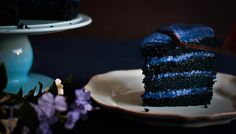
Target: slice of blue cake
x=178 y=75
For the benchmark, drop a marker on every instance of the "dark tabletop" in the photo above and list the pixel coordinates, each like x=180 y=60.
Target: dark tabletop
x=86 y=57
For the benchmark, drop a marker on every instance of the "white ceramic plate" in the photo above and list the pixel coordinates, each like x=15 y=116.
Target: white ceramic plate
x=45 y=26
x=121 y=91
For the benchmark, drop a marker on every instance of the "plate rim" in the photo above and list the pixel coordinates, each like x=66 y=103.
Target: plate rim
x=214 y=117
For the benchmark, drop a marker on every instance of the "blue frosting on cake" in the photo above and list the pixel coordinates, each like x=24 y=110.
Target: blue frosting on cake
x=182 y=74
x=155 y=60
x=156 y=38
x=189 y=32
x=172 y=93
x=186 y=74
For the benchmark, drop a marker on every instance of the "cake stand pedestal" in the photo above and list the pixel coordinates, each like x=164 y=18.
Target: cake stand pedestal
x=17 y=55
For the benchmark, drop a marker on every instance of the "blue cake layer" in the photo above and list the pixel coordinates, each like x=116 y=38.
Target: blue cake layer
x=184 y=74
x=201 y=63
x=172 y=93
x=194 y=61
x=185 y=100
x=180 y=58
x=166 y=81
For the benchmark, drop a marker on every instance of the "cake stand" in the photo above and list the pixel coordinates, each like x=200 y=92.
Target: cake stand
x=17 y=55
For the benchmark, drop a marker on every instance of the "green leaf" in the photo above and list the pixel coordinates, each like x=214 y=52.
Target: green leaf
x=13 y=99
x=28 y=115
x=3 y=113
x=68 y=79
x=30 y=96
x=53 y=89
x=31 y=92
x=40 y=85
x=40 y=92
x=20 y=93
x=2 y=128
x=3 y=98
x=3 y=77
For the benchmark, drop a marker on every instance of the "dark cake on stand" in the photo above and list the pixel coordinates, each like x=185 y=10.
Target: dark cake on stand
x=49 y=9
x=175 y=75
x=13 y=10
x=9 y=12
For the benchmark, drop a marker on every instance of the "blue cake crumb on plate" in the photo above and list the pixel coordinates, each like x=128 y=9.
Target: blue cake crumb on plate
x=178 y=75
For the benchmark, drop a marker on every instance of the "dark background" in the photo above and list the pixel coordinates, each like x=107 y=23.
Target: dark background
x=133 y=19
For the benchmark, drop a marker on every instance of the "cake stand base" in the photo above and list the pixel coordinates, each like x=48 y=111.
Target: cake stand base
x=29 y=83
x=17 y=55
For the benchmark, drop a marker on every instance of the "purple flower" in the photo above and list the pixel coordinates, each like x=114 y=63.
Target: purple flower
x=79 y=108
x=47 y=105
x=44 y=128
x=82 y=101
x=72 y=117
x=46 y=108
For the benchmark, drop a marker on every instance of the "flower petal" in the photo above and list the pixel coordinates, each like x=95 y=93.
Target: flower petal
x=45 y=104
x=79 y=93
x=48 y=111
x=60 y=103
x=46 y=98
x=44 y=128
x=72 y=118
x=88 y=107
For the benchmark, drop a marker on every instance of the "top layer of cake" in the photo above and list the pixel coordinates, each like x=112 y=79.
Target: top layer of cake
x=192 y=34
x=189 y=33
x=153 y=45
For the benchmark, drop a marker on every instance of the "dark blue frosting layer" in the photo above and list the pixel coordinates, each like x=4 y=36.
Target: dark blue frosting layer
x=189 y=32
x=156 y=38
x=187 y=74
x=156 y=60
x=172 y=93
x=182 y=74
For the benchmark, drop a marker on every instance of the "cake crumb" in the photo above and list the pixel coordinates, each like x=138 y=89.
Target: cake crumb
x=205 y=106
x=23 y=26
x=146 y=110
